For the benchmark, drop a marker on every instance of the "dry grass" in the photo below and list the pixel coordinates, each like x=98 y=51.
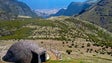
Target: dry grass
x=79 y=54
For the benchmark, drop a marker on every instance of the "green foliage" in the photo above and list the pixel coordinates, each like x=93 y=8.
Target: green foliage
x=66 y=61
x=59 y=61
x=62 y=61
x=22 y=33
x=81 y=62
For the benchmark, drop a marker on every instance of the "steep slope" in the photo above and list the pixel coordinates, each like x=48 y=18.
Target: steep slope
x=73 y=9
x=100 y=14
x=76 y=8
x=60 y=12
x=12 y=8
x=56 y=28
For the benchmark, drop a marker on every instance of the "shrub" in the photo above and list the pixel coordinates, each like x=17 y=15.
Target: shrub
x=68 y=51
x=88 y=44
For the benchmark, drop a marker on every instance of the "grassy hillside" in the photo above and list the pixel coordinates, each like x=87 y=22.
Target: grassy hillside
x=100 y=14
x=61 y=28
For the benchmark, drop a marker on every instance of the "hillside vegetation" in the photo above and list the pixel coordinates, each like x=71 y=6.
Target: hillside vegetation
x=60 y=28
x=100 y=14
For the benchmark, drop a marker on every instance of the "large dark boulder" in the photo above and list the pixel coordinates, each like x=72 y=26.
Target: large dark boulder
x=25 y=52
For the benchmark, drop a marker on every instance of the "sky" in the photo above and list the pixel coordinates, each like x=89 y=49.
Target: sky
x=49 y=4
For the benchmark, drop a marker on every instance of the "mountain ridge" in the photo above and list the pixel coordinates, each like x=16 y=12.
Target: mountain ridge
x=75 y=8
x=100 y=14
x=10 y=9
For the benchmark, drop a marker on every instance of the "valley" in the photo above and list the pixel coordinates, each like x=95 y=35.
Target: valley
x=80 y=33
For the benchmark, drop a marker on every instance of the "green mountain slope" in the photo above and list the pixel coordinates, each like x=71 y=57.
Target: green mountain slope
x=100 y=14
x=10 y=9
x=56 y=28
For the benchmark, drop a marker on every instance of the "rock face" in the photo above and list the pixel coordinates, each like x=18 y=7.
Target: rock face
x=13 y=8
x=100 y=14
x=25 y=52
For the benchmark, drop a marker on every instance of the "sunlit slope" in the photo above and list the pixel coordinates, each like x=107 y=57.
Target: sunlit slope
x=59 y=28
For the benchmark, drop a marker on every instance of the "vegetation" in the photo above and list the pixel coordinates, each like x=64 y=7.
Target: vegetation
x=67 y=29
x=100 y=14
x=68 y=51
x=66 y=61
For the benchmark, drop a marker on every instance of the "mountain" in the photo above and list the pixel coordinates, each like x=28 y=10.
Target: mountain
x=60 y=12
x=45 y=12
x=73 y=9
x=12 y=8
x=100 y=14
